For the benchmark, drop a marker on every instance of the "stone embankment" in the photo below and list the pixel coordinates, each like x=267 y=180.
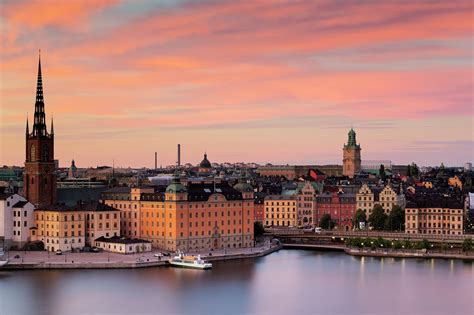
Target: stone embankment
x=384 y=253
x=43 y=260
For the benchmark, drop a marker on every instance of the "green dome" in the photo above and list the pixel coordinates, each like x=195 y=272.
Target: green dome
x=175 y=186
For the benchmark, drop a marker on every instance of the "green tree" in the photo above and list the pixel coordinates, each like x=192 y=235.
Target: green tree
x=408 y=170
x=382 y=173
x=359 y=216
x=258 y=229
x=467 y=245
x=326 y=222
x=396 y=219
x=377 y=218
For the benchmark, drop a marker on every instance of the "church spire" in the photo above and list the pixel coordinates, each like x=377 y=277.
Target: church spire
x=39 y=124
x=52 y=126
x=27 y=126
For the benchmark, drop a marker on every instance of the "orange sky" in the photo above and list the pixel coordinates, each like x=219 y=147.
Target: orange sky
x=262 y=81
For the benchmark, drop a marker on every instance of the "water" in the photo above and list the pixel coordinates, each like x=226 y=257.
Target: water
x=287 y=282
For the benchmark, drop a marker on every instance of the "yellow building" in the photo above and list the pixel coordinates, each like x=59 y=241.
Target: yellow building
x=455 y=181
x=67 y=228
x=434 y=215
x=388 y=196
x=280 y=210
x=195 y=217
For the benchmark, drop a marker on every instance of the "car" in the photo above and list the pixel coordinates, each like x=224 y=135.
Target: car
x=166 y=254
x=318 y=230
x=59 y=252
x=158 y=255
x=17 y=256
x=95 y=249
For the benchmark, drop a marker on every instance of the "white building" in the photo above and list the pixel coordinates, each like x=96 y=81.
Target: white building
x=16 y=219
x=122 y=245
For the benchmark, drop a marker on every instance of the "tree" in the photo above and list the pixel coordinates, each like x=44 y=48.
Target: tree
x=408 y=170
x=414 y=169
x=377 y=218
x=396 y=219
x=359 y=216
x=326 y=222
x=382 y=174
x=467 y=245
x=258 y=229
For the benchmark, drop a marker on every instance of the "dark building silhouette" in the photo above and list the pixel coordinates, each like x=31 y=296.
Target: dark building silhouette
x=39 y=182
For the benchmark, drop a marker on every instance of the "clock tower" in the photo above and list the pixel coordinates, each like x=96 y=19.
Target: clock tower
x=39 y=182
x=351 y=156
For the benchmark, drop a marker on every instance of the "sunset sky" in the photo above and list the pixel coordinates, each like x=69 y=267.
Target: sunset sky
x=253 y=81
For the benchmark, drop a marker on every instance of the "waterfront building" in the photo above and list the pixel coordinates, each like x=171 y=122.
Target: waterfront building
x=340 y=206
x=259 y=208
x=16 y=220
x=66 y=228
x=433 y=214
x=388 y=196
x=39 y=182
x=122 y=245
x=198 y=216
x=281 y=210
x=351 y=156
x=306 y=203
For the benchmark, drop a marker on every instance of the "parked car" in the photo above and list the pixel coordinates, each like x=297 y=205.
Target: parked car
x=318 y=230
x=158 y=255
x=59 y=252
x=166 y=254
x=95 y=249
x=17 y=256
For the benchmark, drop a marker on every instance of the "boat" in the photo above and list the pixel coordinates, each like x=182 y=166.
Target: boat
x=189 y=262
x=3 y=263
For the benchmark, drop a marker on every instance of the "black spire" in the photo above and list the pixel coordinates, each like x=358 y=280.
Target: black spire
x=39 y=126
x=52 y=126
x=27 y=126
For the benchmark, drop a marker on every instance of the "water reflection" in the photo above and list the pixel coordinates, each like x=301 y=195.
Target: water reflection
x=287 y=282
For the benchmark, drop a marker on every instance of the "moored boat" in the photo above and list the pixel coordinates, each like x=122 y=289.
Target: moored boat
x=189 y=262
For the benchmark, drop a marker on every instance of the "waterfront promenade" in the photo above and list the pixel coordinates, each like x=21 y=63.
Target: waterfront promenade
x=103 y=260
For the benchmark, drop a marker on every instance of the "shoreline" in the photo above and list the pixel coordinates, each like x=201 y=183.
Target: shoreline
x=380 y=253
x=13 y=266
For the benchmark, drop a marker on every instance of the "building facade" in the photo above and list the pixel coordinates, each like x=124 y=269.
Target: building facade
x=434 y=215
x=16 y=220
x=281 y=210
x=122 y=245
x=340 y=206
x=39 y=182
x=193 y=217
x=351 y=161
x=387 y=196
x=306 y=204
x=68 y=228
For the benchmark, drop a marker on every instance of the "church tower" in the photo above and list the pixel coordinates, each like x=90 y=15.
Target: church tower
x=351 y=156
x=39 y=182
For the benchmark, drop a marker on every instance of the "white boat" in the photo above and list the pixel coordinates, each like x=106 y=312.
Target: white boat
x=3 y=259
x=3 y=263
x=189 y=262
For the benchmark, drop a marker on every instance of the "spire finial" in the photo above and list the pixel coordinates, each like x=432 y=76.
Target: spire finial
x=52 y=125
x=27 y=126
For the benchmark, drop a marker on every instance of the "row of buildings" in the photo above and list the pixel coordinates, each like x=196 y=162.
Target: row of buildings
x=309 y=202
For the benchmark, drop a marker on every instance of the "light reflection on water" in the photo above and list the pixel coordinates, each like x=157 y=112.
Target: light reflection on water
x=287 y=282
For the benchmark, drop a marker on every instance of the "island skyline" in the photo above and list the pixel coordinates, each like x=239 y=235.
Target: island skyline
x=124 y=81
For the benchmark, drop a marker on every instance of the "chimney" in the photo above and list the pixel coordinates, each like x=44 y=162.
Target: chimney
x=179 y=155
x=156 y=161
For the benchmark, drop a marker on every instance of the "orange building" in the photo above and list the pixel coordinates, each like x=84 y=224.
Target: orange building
x=193 y=217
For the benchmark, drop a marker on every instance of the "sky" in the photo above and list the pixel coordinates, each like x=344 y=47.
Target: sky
x=277 y=82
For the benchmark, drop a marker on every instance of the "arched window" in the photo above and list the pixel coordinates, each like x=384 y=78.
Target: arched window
x=32 y=153
x=32 y=180
x=45 y=152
